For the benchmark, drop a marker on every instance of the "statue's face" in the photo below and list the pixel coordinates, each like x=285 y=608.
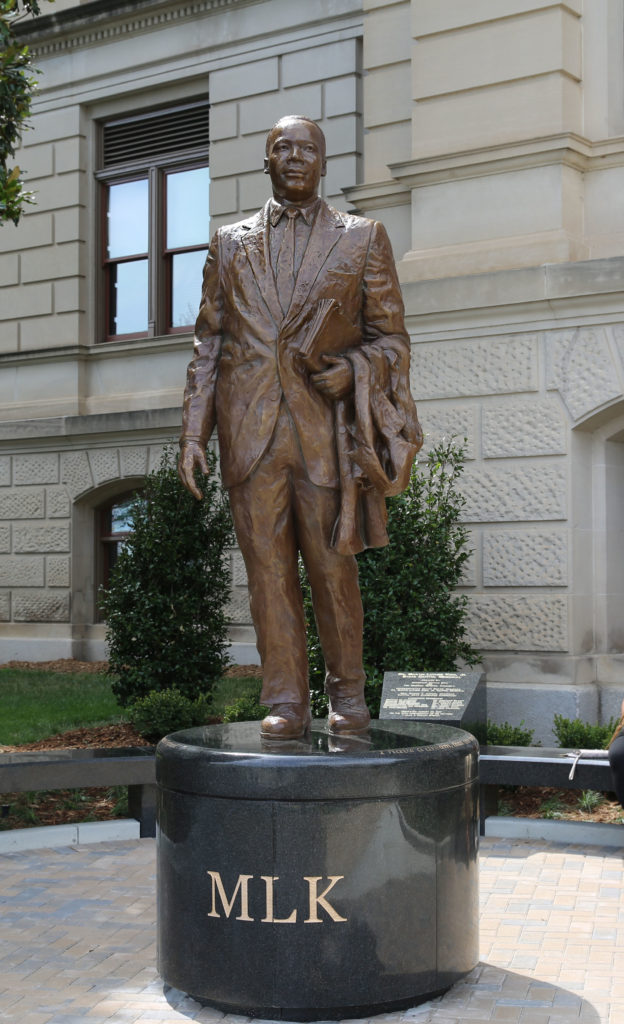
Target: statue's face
x=295 y=160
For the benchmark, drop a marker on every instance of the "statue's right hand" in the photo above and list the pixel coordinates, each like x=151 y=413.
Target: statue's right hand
x=192 y=458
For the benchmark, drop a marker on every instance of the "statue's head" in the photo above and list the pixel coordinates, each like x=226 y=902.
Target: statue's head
x=295 y=158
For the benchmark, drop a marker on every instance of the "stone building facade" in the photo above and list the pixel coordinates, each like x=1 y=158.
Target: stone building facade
x=489 y=138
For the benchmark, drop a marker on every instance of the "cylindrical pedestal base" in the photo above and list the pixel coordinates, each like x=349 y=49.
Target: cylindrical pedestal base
x=318 y=879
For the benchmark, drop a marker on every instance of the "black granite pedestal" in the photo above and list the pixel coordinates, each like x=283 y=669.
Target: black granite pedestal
x=317 y=879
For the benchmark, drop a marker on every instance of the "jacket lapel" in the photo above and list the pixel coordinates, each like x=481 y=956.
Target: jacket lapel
x=256 y=243
x=327 y=231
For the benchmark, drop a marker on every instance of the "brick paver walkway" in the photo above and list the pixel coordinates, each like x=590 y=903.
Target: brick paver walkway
x=77 y=940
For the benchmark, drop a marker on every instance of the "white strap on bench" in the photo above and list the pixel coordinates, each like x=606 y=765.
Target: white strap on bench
x=579 y=755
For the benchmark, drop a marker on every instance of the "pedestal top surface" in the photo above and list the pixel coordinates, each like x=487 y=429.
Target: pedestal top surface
x=230 y=759
x=243 y=739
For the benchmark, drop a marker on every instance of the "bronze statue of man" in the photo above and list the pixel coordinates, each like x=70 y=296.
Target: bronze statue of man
x=302 y=359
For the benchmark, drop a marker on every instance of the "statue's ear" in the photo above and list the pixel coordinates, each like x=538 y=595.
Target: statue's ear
x=266 y=165
x=324 y=168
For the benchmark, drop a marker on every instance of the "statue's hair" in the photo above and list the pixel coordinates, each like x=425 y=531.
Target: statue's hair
x=295 y=117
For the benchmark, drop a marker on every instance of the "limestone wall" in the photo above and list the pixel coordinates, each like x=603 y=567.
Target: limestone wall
x=537 y=387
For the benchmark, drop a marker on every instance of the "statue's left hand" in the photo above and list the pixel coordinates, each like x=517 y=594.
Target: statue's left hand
x=192 y=457
x=337 y=380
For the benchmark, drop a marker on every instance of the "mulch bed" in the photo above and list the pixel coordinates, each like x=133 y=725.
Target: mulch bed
x=528 y=801
x=60 y=665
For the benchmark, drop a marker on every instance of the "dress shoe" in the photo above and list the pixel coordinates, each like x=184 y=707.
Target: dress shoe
x=286 y=722
x=348 y=715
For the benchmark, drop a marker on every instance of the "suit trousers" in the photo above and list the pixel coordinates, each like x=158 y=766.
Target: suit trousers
x=278 y=513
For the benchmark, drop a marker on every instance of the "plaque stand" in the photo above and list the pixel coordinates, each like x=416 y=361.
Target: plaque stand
x=318 y=879
x=452 y=698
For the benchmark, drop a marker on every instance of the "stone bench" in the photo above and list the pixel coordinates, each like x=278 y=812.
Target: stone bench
x=536 y=766
x=134 y=767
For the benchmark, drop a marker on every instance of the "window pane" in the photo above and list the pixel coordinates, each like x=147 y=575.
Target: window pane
x=128 y=218
x=186 y=286
x=120 y=516
x=128 y=297
x=188 y=215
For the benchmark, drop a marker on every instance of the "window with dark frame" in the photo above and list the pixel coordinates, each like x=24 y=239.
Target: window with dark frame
x=115 y=528
x=154 y=180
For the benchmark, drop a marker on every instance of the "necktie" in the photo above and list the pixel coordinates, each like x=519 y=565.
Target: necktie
x=285 y=276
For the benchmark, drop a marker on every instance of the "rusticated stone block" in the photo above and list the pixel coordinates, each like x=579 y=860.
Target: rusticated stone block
x=490 y=366
x=27 y=503
x=5 y=607
x=239 y=573
x=76 y=473
x=524 y=428
x=40 y=607
x=618 y=336
x=440 y=423
x=5 y=471
x=42 y=537
x=58 y=571
x=104 y=464
x=581 y=368
x=155 y=455
x=525 y=558
x=42 y=468
x=133 y=461
x=512 y=493
x=58 y=505
x=469 y=575
x=237 y=609
x=21 y=572
x=521 y=623
x=5 y=539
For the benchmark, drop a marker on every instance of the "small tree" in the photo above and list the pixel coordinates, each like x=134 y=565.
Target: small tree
x=413 y=619
x=165 y=605
x=17 y=86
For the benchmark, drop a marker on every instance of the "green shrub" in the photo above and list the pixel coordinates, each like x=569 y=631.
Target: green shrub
x=319 y=704
x=165 y=606
x=581 y=735
x=413 y=619
x=245 y=709
x=165 y=711
x=507 y=735
x=589 y=799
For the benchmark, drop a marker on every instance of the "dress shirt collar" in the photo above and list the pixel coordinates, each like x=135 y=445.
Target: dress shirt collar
x=308 y=212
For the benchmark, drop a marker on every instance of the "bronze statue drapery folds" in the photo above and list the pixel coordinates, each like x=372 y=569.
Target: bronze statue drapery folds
x=302 y=360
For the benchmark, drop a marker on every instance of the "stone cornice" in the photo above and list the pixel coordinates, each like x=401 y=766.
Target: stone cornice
x=100 y=20
x=139 y=421
x=101 y=351
x=378 y=195
x=589 y=285
x=565 y=148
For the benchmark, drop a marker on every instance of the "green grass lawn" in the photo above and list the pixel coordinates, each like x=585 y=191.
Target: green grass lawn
x=35 y=704
x=227 y=690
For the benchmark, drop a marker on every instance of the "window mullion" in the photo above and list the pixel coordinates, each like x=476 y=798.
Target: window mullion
x=155 y=318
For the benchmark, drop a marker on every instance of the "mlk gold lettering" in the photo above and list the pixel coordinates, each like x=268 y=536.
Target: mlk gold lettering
x=321 y=901
x=317 y=901
x=269 y=917
x=217 y=886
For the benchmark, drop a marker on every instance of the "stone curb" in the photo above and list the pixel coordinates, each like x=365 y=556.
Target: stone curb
x=76 y=834
x=593 y=833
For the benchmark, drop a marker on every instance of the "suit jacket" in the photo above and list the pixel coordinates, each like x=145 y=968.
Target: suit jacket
x=245 y=355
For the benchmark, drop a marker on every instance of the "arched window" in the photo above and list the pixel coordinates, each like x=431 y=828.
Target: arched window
x=114 y=530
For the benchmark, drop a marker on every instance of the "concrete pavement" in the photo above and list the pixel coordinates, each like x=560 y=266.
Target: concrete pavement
x=77 y=939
